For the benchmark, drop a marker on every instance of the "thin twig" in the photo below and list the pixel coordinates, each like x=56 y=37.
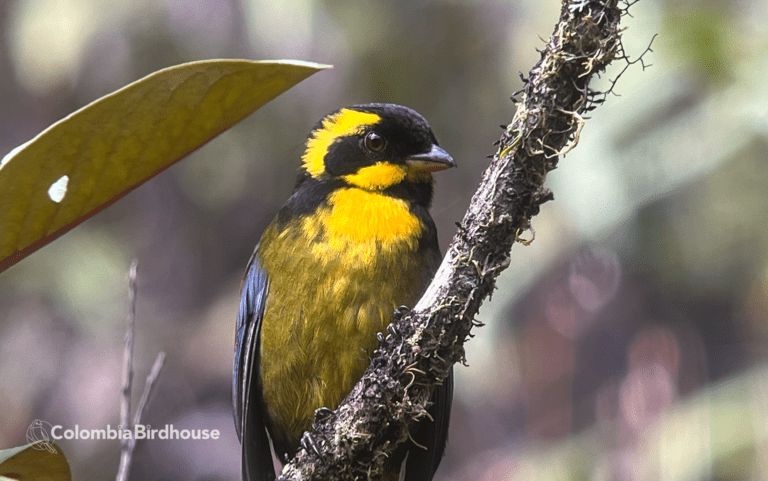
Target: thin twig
x=151 y=379
x=128 y=444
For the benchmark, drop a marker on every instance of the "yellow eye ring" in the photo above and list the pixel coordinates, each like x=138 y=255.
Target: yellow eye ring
x=374 y=142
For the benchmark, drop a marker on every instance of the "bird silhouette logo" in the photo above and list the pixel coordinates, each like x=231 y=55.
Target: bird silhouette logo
x=37 y=433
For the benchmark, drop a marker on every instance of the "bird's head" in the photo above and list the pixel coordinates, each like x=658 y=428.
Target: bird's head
x=374 y=147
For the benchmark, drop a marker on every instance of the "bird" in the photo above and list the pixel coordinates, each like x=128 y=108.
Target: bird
x=353 y=242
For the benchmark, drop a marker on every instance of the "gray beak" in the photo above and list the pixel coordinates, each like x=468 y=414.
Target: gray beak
x=435 y=160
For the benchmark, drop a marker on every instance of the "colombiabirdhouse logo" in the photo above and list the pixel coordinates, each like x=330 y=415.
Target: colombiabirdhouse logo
x=43 y=433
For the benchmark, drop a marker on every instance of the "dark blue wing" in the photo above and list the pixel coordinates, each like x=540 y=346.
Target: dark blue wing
x=246 y=391
x=422 y=463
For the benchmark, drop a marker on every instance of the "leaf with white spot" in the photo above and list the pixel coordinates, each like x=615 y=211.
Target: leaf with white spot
x=95 y=156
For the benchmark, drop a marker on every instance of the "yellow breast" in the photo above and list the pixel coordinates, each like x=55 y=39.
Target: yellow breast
x=357 y=223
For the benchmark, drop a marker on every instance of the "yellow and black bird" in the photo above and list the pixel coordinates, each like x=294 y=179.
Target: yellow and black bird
x=353 y=242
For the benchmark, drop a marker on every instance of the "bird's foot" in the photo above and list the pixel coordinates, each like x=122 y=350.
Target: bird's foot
x=392 y=330
x=322 y=414
x=310 y=445
x=401 y=311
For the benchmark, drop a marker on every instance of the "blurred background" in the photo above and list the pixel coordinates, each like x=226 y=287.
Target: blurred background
x=628 y=342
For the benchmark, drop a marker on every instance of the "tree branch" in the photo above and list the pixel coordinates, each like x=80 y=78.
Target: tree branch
x=423 y=345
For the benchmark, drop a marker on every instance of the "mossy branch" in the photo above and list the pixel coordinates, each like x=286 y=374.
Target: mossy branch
x=424 y=343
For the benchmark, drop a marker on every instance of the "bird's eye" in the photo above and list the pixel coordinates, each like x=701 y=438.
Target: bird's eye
x=374 y=142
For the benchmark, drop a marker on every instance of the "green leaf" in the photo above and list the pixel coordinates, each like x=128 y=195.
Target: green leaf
x=90 y=159
x=38 y=461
